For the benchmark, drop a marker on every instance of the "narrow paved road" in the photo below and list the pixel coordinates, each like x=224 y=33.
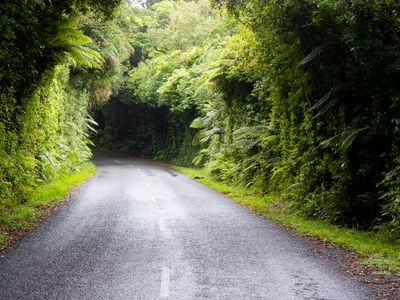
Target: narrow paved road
x=140 y=231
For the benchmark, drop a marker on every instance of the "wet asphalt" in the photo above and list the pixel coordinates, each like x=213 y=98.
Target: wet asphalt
x=138 y=230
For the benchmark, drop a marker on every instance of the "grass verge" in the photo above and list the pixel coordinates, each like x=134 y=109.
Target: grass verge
x=17 y=219
x=374 y=250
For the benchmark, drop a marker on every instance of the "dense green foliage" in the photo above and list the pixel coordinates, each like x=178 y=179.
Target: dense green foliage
x=296 y=97
x=46 y=83
x=329 y=72
x=299 y=97
x=148 y=117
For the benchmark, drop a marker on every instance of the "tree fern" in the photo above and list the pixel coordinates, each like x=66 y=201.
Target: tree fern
x=70 y=41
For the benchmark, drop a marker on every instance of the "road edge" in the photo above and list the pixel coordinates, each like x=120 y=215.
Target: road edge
x=45 y=202
x=387 y=282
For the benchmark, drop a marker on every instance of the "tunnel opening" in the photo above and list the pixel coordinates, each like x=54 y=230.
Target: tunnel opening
x=144 y=131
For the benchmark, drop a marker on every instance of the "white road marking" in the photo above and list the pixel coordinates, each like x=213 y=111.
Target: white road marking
x=142 y=175
x=164 y=286
x=132 y=166
x=139 y=170
x=164 y=229
x=154 y=199
x=117 y=161
x=161 y=225
x=147 y=184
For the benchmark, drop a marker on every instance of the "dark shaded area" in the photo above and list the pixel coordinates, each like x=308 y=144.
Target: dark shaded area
x=144 y=131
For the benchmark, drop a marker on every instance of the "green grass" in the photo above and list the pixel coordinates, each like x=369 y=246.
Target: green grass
x=14 y=218
x=373 y=249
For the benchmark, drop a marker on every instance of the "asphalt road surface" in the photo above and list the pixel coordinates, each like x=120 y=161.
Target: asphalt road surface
x=137 y=230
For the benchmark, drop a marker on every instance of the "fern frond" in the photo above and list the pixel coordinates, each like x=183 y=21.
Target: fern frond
x=312 y=55
x=343 y=140
x=208 y=134
x=36 y=2
x=250 y=136
x=85 y=56
x=327 y=107
x=253 y=162
x=277 y=171
x=322 y=100
x=323 y=105
x=70 y=37
x=91 y=123
x=72 y=42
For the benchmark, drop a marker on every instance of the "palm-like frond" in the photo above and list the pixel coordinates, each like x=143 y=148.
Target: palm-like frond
x=343 y=140
x=250 y=136
x=85 y=56
x=312 y=55
x=208 y=134
x=321 y=101
x=324 y=104
x=72 y=42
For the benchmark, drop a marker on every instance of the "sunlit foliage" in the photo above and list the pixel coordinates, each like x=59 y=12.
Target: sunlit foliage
x=44 y=120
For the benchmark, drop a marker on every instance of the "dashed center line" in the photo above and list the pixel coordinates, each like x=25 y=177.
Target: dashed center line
x=139 y=170
x=161 y=225
x=164 y=286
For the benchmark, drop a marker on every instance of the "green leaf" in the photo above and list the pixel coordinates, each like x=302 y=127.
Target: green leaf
x=322 y=100
x=312 y=55
x=343 y=140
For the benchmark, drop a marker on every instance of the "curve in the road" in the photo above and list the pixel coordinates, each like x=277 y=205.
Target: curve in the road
x=138 y=230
